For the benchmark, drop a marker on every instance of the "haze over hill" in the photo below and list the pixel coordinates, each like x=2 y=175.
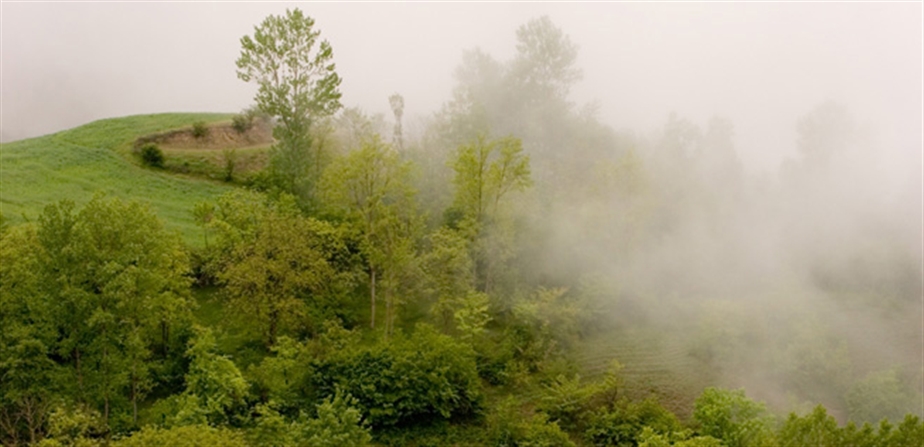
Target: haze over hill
x=761 y=65
x=713 y=194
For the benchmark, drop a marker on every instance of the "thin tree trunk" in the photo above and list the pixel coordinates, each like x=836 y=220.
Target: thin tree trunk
x=372 y=295
x=164 y=337
x=134 y=395
x=8 y=427
x=31 y=411
x=79 y=373
x=388 y=318
x=274 y=322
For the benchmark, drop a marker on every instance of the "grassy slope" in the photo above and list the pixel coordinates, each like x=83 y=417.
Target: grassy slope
x=76 y=163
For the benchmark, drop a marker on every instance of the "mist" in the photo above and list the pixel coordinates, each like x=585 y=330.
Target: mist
x=747 y=178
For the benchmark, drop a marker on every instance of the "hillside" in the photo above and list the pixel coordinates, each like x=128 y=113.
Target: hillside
x=77 y=163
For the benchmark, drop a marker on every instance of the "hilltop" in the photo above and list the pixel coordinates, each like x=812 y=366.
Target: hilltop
x=97 y=157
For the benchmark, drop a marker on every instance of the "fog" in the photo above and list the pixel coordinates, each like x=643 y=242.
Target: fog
x=762 y=64
x=798 y=220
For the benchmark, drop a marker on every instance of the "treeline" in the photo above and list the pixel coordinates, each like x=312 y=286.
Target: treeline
x=431 y=290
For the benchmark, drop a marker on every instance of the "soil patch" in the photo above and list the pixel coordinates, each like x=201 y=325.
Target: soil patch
x=218 y=137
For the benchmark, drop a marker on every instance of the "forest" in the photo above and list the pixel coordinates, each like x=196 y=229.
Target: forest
x=509 y=272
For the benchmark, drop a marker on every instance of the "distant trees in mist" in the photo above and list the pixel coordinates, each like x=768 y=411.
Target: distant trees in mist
x=438 y=289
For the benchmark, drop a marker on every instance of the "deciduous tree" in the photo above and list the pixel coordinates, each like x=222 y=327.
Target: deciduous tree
x=297 y=84
x=274 y=276
x=114 y=281
x=370 y=188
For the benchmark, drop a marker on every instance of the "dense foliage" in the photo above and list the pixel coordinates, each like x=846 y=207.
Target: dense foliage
x=450 y=288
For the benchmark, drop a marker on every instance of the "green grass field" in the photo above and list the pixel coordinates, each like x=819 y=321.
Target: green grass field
x=75 y=164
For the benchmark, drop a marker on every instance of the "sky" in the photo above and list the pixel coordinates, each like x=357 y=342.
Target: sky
x=761 y=65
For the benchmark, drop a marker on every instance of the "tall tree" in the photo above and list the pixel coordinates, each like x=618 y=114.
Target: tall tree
x=486 y=171
x=27 y=373
x=215 y=388
x=545 y=58
x=370 y=188
x=273 y=276
x=448 y=269
x=396 y=102
x=826 y=132
x=298 y=84
x=113 y=279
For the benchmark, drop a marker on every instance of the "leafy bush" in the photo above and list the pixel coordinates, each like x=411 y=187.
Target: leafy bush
x=508 y=426
x=187 y=436
x=199 y=129
x=571 y=404
x=623 y=424
x=880 y=395
x=215 y=388
x=684 y=438
x=338 y=423
x=910 y=432
x=230 y=158
x=243 y=121
x=565 y=399
x=543 y=327
x=76 y=425
x=152 y=156
x=730 y=416
x=410 y=379
x=815 y=428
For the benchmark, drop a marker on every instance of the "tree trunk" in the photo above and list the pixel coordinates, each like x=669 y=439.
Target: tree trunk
x=372 y=295
x=79 y=373
x=134 y=395
x=388 y=316
x=31 y=411
x=274 y=322
x=164 y=337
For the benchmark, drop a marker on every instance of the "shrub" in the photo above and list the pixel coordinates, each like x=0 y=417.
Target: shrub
x=880 y=395
x=337 y=423
x=152 y=156
x=507 y=425
x=188 y=436
x=815 y=428
x=410 y=379
x=623 y=424
x=730 y=416
x=74 y=425
x=243 y=121
x=230 y=158
x=199 y=130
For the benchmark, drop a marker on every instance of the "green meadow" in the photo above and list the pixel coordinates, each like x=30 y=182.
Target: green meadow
x=75 y=164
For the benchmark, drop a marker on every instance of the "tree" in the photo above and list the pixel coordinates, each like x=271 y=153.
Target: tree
x=881 y=394
x=815 y=428
x=27 y=373
x=826 y=132
x=272 y=276
x=297 y=85
x=545 y=58
x=370 y=188
x=486 y=171
x=730 y=416
x=447 y=266
x=215 y=387
x=114 y=282
x=396 y=102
